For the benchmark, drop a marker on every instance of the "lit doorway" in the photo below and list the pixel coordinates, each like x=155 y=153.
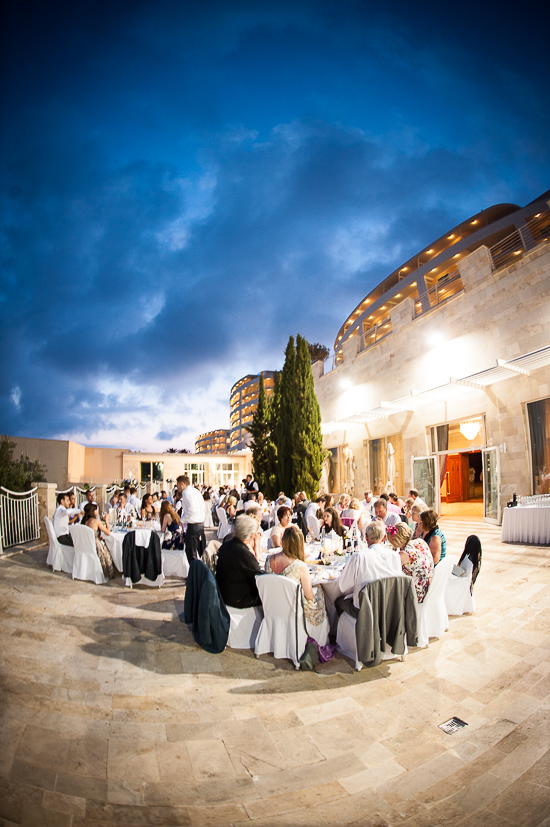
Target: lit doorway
x=461 y=480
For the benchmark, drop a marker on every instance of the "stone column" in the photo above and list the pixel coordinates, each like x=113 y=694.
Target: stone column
x=46 y=504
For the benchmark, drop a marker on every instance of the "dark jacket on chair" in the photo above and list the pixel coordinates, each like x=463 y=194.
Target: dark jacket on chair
x=387 y=612
x=204 y=610
x=137 y=560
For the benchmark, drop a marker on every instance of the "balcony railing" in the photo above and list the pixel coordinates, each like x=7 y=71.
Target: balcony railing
x=333 y=361
x=375 y=334
x=445 y=288
x=515 y=245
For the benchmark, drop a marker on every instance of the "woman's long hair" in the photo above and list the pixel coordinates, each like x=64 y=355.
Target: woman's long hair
x=293 y=542
x=336 y=522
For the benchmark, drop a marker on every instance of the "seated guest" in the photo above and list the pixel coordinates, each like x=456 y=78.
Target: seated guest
x=61 y=517
x=432 y=535
x=72 y=504
x=156 y=502
x=133 y=499
x=89 y=497
x=395 y=500
x=413 y=493
x=284 y=516
x=237 y=566
x=165 y=496
x=391 y=507
x=231 y=509
x=91 y=519
x=353 y=512
x=416 y=522
x=147 y=510
x=367 y=504
x=314 y=507
x=290 y=563
x=332 y=522
x=329 y=501
x=124 y=508
x=416 y=557
x=171 y=527
x=382 y=513
x=251 y=501
x=373 y=563
x=343 y=503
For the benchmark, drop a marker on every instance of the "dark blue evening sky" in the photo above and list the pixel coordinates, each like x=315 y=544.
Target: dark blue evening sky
x=184 y=185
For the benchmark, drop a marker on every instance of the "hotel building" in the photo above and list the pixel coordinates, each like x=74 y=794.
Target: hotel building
x=440 y=377
x=243 y=403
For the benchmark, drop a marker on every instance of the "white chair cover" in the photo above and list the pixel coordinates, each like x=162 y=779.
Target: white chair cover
x=319 y=632
x=208 y=518
x=244 y=627
x=346 y=642
x=315 y=526
x=86 y=562
x=432 y=617
x=224 y=528
x=142 y=538
x=282 y=604
x=457 y=593
x=175 y=563
x=60 y=557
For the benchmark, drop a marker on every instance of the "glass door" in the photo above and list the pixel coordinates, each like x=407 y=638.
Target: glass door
x=424 y=480
x=491 y=485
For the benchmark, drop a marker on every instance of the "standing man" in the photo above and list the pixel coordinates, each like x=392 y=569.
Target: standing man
x=367 y=505
x=192 y=511
x=250 y=484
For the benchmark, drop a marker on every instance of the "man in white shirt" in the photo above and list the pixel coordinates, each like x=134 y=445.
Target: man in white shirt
x=89 y=498
x=373 y=563
x=192 y=510
x=125 y=509
x=134 y=500
x=382 y=513
x=367 y=505
x=61 y=517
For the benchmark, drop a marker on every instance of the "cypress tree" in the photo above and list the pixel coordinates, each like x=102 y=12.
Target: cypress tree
x=308 y=447
x=285 y=424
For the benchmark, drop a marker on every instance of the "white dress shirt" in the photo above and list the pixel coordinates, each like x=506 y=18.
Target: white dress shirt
x=368 y=507
x=60 y=519
x=192 y=505
x=372 y=563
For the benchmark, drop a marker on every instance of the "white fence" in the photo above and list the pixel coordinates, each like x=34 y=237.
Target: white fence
x=19 y=521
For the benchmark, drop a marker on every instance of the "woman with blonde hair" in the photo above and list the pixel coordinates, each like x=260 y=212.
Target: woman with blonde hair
x=416 y=558
x=290 y=563
x=170 y=525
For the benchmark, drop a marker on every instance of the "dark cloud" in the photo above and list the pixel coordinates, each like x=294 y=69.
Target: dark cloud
x=186 y=185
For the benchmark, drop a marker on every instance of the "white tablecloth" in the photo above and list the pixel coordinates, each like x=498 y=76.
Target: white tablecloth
x=526 y=525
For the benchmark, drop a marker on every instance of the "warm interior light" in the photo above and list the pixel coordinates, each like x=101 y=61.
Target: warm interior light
x=470 y=429
x=451 y=236
x=474 y=222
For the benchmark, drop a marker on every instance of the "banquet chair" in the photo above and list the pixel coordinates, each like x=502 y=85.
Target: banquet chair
x=175 y=563
x=86 y=562
x=244 y=626
x=224 y=528
x=432 y=615
x=142 y=548
x=60 y=557
x=347 y=632
x=315 y=526
x=283 y=630
x=458 y=597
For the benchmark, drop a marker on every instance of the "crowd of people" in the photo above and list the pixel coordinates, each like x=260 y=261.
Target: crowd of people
x=399 y=536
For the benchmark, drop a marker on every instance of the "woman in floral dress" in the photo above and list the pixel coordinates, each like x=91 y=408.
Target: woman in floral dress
x=416 y=557
x=290 y=563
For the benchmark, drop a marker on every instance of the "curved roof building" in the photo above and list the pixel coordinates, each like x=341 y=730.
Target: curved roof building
x=440 y=375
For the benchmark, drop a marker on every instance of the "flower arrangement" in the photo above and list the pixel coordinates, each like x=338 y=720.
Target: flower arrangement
x=391 y=530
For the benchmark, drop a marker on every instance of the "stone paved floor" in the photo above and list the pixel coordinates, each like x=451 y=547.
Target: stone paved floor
x=112 y=715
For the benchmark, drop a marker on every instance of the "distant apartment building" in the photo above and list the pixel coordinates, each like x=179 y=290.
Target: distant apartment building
x=213 y=442
x=243 y=403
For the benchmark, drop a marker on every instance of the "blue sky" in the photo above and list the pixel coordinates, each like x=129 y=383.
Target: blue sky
x=185 y=185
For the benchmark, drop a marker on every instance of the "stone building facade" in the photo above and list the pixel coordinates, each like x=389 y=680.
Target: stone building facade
x=445 y=397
